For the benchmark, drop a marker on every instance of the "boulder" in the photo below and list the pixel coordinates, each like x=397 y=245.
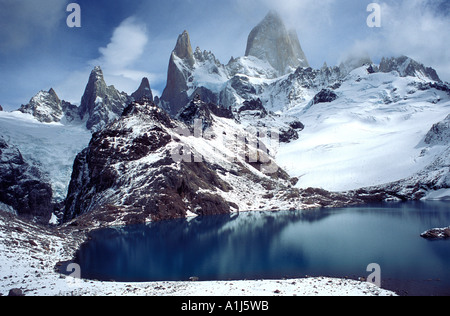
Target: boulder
x=437 y=233
x=15 y=292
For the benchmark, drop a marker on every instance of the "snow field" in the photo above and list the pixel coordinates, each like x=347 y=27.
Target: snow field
x=357 y=141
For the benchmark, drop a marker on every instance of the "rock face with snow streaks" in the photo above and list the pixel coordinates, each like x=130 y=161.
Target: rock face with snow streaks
x=22 y=187
x=406 y=66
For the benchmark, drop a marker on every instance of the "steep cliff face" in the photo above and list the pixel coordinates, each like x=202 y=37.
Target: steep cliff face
x=270 y=41
x=181 y=61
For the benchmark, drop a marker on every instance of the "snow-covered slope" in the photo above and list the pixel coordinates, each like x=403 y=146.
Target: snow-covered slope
x=371 y=134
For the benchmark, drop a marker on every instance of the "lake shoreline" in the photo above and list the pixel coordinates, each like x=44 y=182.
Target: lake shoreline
x=29 y=253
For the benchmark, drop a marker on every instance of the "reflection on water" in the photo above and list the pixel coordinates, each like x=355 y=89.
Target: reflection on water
x=333 y=242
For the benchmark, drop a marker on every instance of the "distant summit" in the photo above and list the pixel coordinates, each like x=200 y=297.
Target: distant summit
x=272 y=42
x=144 y=90
x=46 y=107
x=407 y=66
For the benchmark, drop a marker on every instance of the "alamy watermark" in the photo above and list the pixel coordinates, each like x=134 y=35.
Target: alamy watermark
x=374 y=18
x=74 y=18
x=375 y=276
x=73 y=280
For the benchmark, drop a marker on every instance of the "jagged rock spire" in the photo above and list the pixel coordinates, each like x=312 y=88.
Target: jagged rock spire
x=100 y=103
x=272 y=42
x=175 y=96
x=144 y=90
x=183 y=48
x=95 y=87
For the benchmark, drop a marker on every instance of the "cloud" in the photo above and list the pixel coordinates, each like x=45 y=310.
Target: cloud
x=120 y=59
x=22 y=21
x=126 y=46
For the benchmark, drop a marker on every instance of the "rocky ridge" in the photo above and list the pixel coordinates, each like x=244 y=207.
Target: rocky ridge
x=147 y=166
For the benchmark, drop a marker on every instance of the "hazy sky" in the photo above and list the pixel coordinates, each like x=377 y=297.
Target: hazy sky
x=133 y=39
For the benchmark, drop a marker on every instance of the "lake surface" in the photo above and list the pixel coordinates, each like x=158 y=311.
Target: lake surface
x=263 y=245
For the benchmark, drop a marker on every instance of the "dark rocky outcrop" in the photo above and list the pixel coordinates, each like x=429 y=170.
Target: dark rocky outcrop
x=15 y=293
x=199 y=110
x=437 y=233
x=325 y=96
x=254 y=105
x=116 y=170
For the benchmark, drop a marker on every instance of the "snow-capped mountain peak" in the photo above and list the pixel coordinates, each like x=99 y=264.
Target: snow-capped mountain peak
x=47 y=107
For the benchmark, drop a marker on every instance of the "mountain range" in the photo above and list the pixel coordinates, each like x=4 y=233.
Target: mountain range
x=263 y=132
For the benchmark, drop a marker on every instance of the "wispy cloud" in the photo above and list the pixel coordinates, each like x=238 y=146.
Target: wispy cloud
x=126 y=46
x=120 y=58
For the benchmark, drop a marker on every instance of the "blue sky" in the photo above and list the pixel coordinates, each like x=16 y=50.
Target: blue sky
x=133 y=39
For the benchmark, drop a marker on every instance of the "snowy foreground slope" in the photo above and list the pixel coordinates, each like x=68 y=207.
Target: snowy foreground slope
x=29 y=254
